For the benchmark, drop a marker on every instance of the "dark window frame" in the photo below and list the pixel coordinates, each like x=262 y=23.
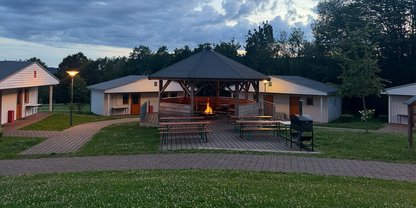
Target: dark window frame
x=309 y=100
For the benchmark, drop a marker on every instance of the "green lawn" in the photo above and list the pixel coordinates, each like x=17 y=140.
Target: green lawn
x=122 y=139
x=198 y=188
x=11 y=146
x=64 y=108
x=60 y=121
x=356 y=123
x=363 y=146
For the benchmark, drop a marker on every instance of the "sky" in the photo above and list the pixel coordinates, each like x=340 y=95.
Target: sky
x=54 y=29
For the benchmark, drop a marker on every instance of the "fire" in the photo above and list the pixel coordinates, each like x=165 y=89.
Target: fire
x=208 y=109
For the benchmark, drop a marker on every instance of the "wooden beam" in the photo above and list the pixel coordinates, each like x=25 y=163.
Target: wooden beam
x=192 y=97
x=410 y=125
x=159 y=97
x=237 y=98
x=256 y=89
x=183 y=85
x=165 y=86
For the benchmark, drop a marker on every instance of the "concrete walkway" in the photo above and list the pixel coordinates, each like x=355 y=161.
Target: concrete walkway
x=70 y=140
x=274 y=163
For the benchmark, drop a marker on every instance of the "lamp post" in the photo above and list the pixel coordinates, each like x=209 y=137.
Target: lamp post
x=71 y=74
x=265 y=82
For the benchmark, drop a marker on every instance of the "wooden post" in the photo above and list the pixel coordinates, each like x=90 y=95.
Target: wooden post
x=50 y=97
x=192 y=97
x=237 y=98
x=159 y=97
x=410 y=125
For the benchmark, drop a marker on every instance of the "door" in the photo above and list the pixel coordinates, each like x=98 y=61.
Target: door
x=268 y=105
x=135 y=104
x=19 y=104
x=294 y=105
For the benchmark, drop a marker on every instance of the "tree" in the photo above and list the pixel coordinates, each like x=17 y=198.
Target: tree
x=261 y=48
x=229 y=49
x=358 y=61
x=37 y=60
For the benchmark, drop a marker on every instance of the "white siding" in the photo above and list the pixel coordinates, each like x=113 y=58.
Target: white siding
x=152 y=98
x=396 y=107
x=25 y=78
x=334 y=107
x=8 y=102
x=97 y=103
x=144 y=85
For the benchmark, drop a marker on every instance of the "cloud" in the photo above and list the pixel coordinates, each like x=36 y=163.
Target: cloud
x=129 y=23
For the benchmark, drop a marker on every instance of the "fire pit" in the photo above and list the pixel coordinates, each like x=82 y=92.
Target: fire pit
x=208 y=113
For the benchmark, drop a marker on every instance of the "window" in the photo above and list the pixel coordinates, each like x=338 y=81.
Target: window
x=26 y=95
x=155 y=84
x=270 y=83
x=125 y=99
x=309 y=101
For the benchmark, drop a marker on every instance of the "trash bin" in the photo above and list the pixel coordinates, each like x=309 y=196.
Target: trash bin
x=10 y=116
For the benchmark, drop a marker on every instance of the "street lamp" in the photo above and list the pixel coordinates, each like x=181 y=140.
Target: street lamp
x=265 y=82
x=71 y=74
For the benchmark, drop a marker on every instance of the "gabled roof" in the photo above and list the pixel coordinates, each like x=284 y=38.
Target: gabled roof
x=410 y=101
x=312 y=84
x=407 y=89
x=116 y=82
x=8 y=68
x=208 y=65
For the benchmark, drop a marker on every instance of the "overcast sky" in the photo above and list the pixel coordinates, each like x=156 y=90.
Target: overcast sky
x=53 y=29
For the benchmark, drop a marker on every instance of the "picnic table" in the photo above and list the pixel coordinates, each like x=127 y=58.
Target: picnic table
x=258 y=125
x=186 y=127
x=235 y=118
x=181 y=118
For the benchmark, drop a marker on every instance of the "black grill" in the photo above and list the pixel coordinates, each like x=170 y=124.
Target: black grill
x=301 y=131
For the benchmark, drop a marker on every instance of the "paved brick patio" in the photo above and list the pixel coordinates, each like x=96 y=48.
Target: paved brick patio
x=279 y=163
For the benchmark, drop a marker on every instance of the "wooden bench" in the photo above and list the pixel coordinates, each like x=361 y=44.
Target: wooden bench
x=181 y=118
x=193 y=127
x=257 y=125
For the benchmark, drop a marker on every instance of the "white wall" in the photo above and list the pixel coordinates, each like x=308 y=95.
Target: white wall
x=8 y=102
x=26 y=78
x=97 y=102
x=396 y=107
x=33 y=100
x=334 y=107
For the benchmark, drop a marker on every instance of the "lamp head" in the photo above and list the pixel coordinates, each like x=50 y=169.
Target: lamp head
x=265 y=81
x=72 y=73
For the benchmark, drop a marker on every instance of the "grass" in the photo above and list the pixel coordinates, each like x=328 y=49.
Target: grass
x=364 y=146
x=11 y=146
x=198 y=188
x=60 y=121
x=356 y=123
x=122 y=139
x=64 y=108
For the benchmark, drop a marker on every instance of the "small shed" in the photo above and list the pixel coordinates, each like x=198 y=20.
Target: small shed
x=125 y=95
x=396 y=97
x=19 y=87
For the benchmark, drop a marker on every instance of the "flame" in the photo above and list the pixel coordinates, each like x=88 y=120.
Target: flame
x=208 y=109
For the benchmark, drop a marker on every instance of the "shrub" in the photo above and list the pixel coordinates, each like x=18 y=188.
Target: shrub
x=383 y=118
x=346 y=118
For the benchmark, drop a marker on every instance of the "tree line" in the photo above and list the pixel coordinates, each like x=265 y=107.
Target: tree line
x=360 y=45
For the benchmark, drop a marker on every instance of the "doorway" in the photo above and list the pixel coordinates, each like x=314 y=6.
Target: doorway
x=268 y=105
x=135 y=104
x=294 y=105
x=19 y=104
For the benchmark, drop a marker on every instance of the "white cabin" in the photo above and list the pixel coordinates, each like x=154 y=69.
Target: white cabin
x=19 y=86
x=125 y=95
x=396 y=98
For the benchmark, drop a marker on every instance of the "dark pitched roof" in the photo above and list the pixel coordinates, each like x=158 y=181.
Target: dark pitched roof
x=116 y=82
x=8 y=68
x=209 y=65
x=319 y=86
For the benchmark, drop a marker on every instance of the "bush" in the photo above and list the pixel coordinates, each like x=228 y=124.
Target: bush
x=383 y=118
x=345 y=118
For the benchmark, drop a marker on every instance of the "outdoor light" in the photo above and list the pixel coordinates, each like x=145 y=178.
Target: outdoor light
x=265 y=82
x=72 y=74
